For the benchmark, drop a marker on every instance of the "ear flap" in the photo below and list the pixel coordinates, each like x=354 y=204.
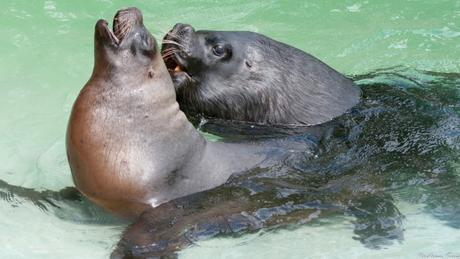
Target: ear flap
x=248 y=63
x=253 y=58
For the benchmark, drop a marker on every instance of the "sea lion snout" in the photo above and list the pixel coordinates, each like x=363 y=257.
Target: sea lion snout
x=124 y=21
x=182 y=29
x=179 y=38
x=177 y=53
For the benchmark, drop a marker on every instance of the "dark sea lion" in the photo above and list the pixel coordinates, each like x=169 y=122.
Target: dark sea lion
x=129 y=146
x=246 y=76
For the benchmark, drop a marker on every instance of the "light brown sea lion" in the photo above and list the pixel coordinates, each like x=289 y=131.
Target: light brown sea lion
x=128 y=144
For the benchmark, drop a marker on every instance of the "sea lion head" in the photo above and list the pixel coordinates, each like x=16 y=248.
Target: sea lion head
x=193 y=57
x=129 y=47
x=246 y=76
x=217 y=73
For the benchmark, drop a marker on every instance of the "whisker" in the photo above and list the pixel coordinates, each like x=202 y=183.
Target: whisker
x=122 y=27
x=168 y=55
x=166 y=58
x=170 y=50
x=173 y=43
x=125 y=31
x=173 y=35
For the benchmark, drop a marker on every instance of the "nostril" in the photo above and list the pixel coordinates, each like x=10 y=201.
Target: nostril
x=187 y=28
x=181 y=28
x=178 y=26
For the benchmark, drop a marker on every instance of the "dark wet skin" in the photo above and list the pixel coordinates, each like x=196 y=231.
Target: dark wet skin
x=248 y=77
x=401 y=143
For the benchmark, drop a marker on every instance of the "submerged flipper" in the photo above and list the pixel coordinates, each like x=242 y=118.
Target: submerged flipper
x=42 y=199
x=66 y=204
x=378 y=221
x=162 y=231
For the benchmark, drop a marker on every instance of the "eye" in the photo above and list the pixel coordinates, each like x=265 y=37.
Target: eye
x=218 y=50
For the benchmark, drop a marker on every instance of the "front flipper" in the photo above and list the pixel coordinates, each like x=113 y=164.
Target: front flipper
x=162 y=231
x=378 y=221
x=67 y=203
x=42 y=199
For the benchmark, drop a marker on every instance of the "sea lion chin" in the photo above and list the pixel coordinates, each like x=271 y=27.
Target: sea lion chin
x=129 y=146
x=245 y=76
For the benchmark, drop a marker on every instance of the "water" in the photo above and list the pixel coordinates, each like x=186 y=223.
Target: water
x=401 y=145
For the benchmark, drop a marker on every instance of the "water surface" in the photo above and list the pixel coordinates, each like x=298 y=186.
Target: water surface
x=46 y=55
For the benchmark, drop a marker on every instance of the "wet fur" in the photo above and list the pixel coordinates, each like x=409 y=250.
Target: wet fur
x=264 y=81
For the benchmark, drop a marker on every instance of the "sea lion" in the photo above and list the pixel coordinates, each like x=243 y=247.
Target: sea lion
x=129 y=146
x=245 y=76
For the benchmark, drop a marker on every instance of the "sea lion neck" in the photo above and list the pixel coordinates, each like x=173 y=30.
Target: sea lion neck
x=127 y=141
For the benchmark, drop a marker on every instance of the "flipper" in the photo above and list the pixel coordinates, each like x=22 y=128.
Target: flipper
x=67 y=204
x=378 y=222
x=162 y=231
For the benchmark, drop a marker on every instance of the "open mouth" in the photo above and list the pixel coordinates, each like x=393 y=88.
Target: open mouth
x=170 y=53
x=173 y=66
x=123 y=22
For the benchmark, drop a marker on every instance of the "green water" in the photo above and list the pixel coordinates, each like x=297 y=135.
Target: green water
x=46 y=55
